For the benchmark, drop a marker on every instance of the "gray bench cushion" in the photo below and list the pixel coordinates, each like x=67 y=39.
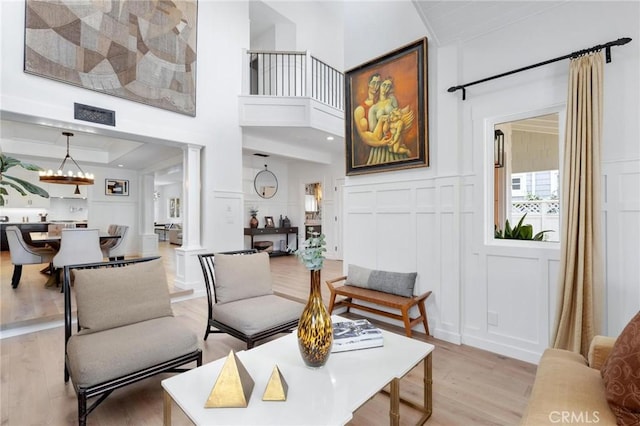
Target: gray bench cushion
x=97 y=357
x=242 y=276
x=256 y=314
x=113 y=297
x=398 y=283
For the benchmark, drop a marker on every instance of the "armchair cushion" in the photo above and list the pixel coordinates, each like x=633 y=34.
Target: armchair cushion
x=398 y=283
x=242 y=277
x=98 y=357
x=620 y=375
x=103 y=291
x=255 y=314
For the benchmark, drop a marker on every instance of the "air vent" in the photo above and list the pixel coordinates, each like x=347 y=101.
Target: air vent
x=94 y=114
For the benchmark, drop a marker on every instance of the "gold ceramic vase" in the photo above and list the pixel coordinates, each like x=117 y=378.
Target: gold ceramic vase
x=315 y=332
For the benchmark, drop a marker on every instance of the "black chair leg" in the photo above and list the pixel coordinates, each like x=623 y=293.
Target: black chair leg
x=17 y=273
x=82 y=409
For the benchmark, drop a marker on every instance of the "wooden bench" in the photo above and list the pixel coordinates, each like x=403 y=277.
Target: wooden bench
x=404 y=304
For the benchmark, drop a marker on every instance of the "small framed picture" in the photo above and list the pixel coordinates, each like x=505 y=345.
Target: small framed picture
x=268 y=222
x=116 y=187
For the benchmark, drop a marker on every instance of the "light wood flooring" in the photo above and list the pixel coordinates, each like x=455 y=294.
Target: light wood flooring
x=471 y=386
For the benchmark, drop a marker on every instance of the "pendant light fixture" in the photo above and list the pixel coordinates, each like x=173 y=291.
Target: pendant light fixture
x=67 y=177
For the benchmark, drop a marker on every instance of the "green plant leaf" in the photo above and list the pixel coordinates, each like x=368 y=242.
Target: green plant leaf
x=507 y=229
x=14 y=186
x=311 y=254
x=31 y=188
x=540 y=235
x=525 y=232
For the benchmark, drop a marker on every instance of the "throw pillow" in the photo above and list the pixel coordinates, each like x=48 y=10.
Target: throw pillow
x=621 y=375
x=398 y=283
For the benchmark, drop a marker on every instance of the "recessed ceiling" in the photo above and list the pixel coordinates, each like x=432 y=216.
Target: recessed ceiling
x=43 y=142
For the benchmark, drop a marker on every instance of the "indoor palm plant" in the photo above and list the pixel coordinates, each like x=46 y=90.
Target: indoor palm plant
x=20 y=185
x=315 y=331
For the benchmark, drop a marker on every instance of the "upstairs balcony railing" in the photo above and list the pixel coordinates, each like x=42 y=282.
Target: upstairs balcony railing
x=295 y=74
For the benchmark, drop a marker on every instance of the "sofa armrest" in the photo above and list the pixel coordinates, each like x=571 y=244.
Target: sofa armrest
x=599 y=351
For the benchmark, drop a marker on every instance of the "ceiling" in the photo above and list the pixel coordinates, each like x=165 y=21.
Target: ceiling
x=448 y=22
x=89 y=146
x=452 y=22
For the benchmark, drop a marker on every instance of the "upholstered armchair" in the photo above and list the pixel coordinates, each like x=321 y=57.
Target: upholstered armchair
x=126 y=331
x=241 y=298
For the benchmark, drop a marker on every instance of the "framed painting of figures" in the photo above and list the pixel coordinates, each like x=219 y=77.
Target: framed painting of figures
x=140 y=50
x=386 y=112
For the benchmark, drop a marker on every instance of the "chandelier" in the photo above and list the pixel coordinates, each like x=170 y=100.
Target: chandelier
x=67 y=177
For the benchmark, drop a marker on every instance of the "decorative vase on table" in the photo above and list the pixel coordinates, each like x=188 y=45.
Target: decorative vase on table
x=253 y=222
x=315 y=331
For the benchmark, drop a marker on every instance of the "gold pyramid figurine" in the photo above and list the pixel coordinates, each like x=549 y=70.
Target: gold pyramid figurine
x=277 y=387
x=233 y=386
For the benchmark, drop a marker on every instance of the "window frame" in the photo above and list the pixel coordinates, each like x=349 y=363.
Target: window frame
x=489 y=168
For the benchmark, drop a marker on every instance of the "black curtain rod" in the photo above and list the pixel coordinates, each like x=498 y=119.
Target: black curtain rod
x=606 y=46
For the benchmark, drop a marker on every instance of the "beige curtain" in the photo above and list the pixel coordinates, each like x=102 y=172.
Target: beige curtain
x=580 y=301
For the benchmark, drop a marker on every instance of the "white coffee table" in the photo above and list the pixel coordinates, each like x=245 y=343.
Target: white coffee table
x=325 y=396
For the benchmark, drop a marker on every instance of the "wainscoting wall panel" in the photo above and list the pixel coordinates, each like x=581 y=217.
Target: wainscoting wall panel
x=415 y=228
x=513 y=283
x=622 y=242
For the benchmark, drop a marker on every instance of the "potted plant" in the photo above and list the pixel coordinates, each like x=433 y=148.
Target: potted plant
x=315 y=330
x=519 y=232
x=20 y=185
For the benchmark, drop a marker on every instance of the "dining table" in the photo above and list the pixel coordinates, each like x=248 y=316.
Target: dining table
x=52 y=239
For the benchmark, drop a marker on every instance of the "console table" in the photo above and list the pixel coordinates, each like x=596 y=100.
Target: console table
x=252 y=232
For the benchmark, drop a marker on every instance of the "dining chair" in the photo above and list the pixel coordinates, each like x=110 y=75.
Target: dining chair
x=24 y=254
x=77 y=246
x=114 y=248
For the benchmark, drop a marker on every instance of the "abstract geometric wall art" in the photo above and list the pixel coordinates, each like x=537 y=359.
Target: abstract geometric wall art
x=140 y=50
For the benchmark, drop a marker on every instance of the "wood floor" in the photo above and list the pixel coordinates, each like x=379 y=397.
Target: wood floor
x=471 y=386
x=33 y=303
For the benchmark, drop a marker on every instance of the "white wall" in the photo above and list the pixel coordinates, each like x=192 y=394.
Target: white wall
x=318 y=28
x=496 y=295
x=168 y=192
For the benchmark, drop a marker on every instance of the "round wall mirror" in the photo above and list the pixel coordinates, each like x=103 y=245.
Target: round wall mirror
x=265 y=183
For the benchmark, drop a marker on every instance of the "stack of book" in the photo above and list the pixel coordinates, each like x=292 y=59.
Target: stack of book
x=357 y=334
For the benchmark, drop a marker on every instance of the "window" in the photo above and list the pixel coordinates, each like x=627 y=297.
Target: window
x=527 y=183
x=517 y=186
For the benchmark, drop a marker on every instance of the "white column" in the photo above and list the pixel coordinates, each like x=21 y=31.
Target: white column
x=188 y=271
x=148 y=238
